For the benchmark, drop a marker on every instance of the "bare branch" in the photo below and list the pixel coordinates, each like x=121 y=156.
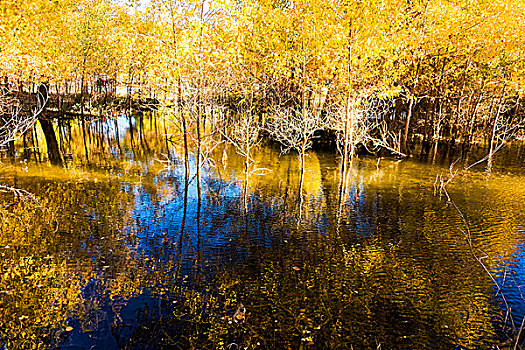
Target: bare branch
x=16 y=120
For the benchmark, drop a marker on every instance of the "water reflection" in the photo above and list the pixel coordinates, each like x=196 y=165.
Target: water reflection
x=120 y=251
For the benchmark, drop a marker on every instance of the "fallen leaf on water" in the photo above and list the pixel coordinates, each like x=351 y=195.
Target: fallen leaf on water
x=308 y=340
x=69 y=329
x=296 y=268
x=238 y=316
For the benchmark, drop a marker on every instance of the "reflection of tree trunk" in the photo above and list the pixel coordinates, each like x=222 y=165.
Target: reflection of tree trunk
x=11 y=148
x=184 y=213
x=132 y=138
x=117 y=136
x=36 y=145
x=301 y=198
x=53 y=150
x=343 y=192
x=166 y=144
x=301 y=183
x=246 y=182
x=182 y=226
x=198 y=248
x=27 y=147
x=61 y=136
x=245 y=190
x=141 y=133
x=101 y=125
x=84 y=137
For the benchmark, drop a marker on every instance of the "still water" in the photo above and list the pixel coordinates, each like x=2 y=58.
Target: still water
x=117 y=249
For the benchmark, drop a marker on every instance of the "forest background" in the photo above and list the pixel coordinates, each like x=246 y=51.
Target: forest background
x=376 y=75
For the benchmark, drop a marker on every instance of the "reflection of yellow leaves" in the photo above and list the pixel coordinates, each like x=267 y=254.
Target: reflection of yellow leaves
x=285 y=171
x=42 y=297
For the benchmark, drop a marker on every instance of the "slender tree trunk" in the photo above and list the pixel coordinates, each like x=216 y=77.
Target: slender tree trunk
x=404 y=146
x=349 y=124
x=199 y=102
x=437 y=132
x=494 y=132
x=182 y=117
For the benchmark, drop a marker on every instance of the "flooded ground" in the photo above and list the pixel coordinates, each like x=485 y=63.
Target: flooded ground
x=118 y=249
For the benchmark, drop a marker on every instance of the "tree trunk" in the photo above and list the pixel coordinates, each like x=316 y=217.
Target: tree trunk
x=404 y=147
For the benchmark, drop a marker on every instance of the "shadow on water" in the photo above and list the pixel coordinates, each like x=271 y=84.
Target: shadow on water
x=119 y=250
